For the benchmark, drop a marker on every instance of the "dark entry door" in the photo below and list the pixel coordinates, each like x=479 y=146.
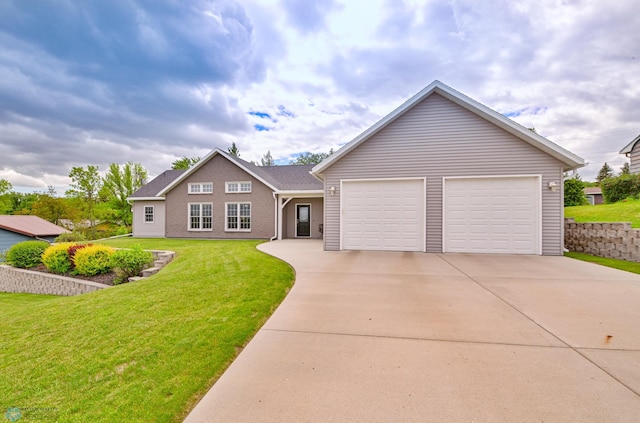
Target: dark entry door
x=303 y=220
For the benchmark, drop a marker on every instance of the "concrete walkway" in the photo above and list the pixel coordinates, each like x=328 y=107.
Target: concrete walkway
x=414 y=337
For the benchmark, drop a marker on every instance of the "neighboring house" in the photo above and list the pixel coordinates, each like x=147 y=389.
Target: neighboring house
x=441 y=173
x=594 y=195
x=632 y=150
x=14 y=229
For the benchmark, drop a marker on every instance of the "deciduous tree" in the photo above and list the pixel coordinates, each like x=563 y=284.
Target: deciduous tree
x=85 y=185
x=184 y=163
x=310 y=158
x=119 y=183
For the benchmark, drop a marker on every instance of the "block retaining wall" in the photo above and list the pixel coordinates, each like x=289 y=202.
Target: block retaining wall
x=603 y=239
x=30 y=282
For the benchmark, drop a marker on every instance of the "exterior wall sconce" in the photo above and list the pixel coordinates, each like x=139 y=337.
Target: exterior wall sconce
x=553 y=186
x=332 y=190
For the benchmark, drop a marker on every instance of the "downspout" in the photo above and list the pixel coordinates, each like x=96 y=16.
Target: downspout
x=275 y=206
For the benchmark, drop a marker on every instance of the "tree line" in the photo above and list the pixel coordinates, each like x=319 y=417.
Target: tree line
x=90 y=199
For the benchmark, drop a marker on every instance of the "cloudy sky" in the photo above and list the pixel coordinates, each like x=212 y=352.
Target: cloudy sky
x=149 y=81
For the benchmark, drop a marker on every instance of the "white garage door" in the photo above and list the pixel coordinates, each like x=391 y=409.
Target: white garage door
x=383 y=215
x=492 y=215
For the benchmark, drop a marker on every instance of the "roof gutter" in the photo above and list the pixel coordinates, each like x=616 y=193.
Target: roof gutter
x=276 y=216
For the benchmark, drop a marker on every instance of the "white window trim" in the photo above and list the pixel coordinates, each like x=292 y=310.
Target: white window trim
x=144 y=214
x=189 y=228
x=226 y=216
x=201 y=186
x=239 y=184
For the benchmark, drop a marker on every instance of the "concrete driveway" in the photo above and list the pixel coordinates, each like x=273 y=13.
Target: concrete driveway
x=404 y=337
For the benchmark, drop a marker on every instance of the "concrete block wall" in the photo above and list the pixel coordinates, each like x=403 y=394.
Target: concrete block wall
x=603 y=239
x=28 y=281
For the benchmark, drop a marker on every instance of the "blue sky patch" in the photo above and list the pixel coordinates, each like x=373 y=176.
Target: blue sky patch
x=261 y=128
x=263 y=115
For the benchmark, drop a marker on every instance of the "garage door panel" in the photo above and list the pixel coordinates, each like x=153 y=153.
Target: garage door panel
x=492 y=215
x=393 y=213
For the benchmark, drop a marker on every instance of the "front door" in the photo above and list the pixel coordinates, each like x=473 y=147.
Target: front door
x=303 y=220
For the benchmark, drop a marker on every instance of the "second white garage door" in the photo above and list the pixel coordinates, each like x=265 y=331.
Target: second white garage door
x=383 y=215
x=492 y=215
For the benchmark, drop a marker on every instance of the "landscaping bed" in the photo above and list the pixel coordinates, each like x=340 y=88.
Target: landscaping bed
x=104 y=278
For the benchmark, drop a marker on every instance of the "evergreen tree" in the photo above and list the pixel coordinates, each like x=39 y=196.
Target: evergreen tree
x=605 y=172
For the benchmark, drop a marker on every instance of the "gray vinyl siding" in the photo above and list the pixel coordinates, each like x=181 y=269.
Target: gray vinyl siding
x=438 y=138
x=220 y=170
x=634 y=164
x=142 y=229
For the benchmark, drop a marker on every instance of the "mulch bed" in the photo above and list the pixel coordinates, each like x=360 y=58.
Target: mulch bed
x=105 y=278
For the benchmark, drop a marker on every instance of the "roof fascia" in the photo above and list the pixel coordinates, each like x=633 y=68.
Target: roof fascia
x=382 y=123
x=301 y=193
x=145 y=198
x=17 y=231
x=202 y=162
x=627 y=148
x=571 y=160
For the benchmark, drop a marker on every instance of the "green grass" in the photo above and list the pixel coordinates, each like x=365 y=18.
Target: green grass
x=629 y=266
x=139 y=352
x=622 y=211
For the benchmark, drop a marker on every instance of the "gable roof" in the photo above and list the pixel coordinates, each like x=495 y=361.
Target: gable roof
x=570 y=160
x=151 y=189
x=592 y=190
x=278 y=178
x=30 y=226
x=627 y=148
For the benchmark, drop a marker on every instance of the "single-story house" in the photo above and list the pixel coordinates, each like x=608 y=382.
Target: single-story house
x=632 y=151
x=441 y=173
x=14 y=229
x=594 y=195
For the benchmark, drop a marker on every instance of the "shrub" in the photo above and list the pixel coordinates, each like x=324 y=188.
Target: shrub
x=573 y=192
x=93 y=260
x=71 y=251
x=26 y=254
x=128 y=263
x=620 y=188
x=56 y=257
x=70 y=237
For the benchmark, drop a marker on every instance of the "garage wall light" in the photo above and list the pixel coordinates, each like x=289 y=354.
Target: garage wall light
x=332 y=190
x=553 y=186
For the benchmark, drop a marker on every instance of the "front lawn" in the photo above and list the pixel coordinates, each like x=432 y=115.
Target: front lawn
x=629 y=266
x=139 y=352
x=622 y=211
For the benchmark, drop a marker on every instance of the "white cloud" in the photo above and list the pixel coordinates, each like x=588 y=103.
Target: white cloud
x=152 y=84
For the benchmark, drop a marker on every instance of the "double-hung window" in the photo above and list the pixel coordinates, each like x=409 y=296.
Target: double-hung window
x=238 y=217
x=148 y=214
x=237 y=187
x=200 y=216
x=201 y=188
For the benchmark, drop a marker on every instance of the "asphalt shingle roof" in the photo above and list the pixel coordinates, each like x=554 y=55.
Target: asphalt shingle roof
x=286 y=178
x=30 y=226
x=153 y=187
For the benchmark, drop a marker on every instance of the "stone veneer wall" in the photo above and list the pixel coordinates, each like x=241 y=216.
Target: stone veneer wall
x=613 y=240
x=28 y=281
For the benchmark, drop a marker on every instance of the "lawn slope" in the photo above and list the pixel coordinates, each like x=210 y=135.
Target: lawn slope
x=622 y=211
x=139 y=352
